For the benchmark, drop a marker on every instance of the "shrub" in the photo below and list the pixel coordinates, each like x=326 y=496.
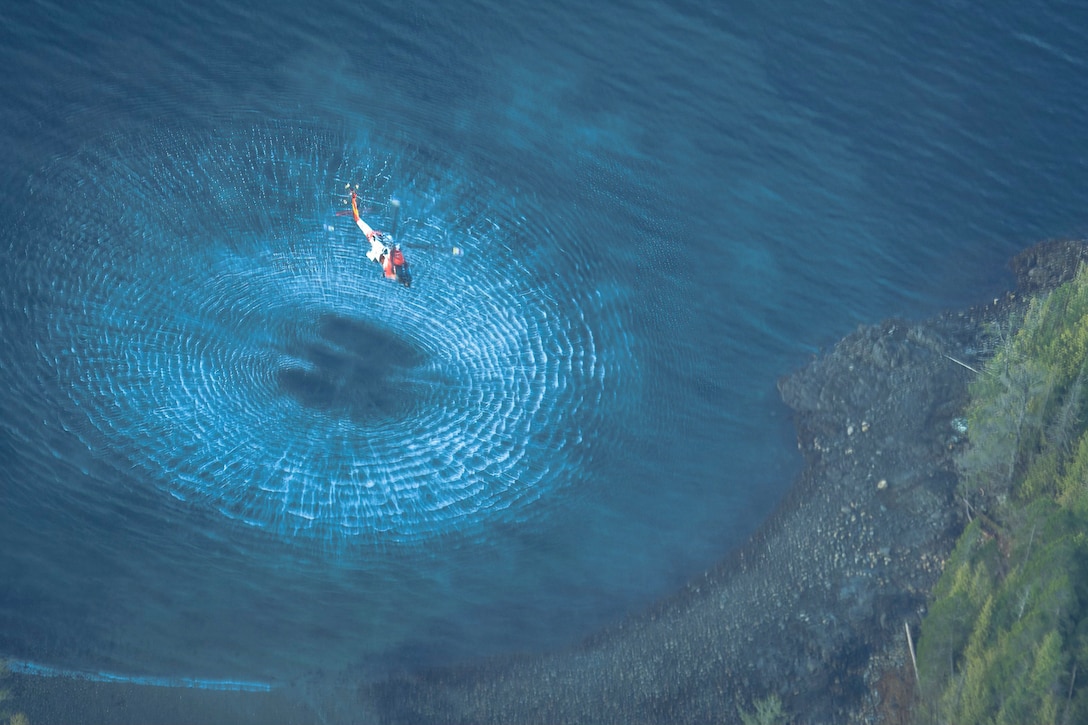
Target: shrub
x=768 y=712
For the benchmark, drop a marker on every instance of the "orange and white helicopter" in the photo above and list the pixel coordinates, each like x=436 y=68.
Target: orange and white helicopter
x=383 y=249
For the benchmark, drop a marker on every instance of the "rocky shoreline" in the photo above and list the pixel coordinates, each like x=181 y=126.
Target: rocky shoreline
x=813 y=608
x=847 y=558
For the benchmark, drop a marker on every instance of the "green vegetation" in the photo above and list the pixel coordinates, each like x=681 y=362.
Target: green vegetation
x=6 y=716
x=768 y=712
x=1006 y=636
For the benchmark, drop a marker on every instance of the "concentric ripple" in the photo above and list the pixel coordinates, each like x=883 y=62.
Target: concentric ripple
x=203 y=316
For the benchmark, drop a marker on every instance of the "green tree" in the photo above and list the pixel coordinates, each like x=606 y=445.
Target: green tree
x=1006 y=633
x=769 y=711
x=1073 y=484
x=1004 y=421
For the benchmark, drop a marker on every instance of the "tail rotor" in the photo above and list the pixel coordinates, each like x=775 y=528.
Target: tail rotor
x=396 y=217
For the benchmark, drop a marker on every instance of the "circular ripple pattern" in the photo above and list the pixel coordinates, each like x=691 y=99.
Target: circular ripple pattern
x=208 y=320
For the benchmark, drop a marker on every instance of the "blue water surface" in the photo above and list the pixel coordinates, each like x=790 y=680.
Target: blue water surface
x=664 y=207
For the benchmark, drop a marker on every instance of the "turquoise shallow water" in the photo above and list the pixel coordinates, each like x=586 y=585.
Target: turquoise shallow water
x=663 y=209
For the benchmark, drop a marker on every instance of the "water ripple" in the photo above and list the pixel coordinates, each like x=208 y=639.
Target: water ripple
x=202 y=315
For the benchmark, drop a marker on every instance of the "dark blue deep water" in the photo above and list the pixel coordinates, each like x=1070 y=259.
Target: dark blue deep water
x=229 y=450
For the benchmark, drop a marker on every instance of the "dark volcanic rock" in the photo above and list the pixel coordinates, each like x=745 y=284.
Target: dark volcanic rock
x=1047 y=265
x=849 y=556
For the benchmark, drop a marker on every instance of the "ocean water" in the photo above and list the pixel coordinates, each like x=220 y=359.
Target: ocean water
x=231 y=452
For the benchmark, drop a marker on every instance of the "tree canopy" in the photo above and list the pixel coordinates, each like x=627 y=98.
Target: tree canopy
x=1005 y=639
